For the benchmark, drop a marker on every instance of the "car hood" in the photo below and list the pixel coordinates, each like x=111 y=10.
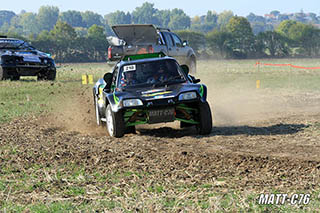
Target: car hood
x=25 y=53
x=136 y=34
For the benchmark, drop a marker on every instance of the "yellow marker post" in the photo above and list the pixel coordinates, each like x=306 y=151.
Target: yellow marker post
x=90 y=79
x=84 y=79
x=258 y=84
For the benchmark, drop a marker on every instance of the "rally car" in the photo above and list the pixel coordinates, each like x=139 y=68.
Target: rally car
x=18 y=58
x=147 y=89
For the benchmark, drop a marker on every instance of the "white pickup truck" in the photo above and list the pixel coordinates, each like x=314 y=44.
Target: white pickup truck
x=146 y=38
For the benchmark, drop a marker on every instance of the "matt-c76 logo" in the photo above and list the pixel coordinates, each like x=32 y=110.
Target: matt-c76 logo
x=281 y=199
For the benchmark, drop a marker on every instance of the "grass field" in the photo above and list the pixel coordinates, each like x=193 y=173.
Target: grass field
x=266 y=140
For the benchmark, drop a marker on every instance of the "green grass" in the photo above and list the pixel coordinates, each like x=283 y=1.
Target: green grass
x=29 y=96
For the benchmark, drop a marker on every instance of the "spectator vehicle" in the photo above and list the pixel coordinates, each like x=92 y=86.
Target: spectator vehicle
x=145 y=38
x=147 y=89
x=18 y=58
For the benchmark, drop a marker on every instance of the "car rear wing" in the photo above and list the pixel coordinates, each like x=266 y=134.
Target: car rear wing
x=163 y=29
x=143 y=56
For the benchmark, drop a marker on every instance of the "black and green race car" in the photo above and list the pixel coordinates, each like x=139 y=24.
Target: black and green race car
x=147 y=89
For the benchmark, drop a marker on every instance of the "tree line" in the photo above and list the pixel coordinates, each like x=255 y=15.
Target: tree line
x=74 y=36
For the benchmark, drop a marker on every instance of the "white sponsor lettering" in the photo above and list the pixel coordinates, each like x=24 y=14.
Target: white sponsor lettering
x=281 y=199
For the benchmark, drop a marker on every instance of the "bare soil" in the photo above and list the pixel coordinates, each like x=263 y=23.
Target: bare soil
x=272 y=143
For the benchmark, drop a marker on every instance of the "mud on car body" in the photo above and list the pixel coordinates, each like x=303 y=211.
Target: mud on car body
x=18 y=58
x=147 y=89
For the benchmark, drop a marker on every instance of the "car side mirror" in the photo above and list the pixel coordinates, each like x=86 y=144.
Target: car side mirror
x=108 y=79
x=194 y=80
x=185 y=69
x=185 y=43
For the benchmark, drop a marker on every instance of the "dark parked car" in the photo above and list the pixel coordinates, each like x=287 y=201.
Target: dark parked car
x=18 y=58
x=147 y=89
x=145 y=38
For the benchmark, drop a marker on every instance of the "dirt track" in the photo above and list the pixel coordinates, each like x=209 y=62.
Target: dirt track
x=274 y=152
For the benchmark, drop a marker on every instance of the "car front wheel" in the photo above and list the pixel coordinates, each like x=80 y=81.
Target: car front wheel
x=193 y=66
x=115 y=123
x=98 y=118
x=205 y=119
x=3 y=74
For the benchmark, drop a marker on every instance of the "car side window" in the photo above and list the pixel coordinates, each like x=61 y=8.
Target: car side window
x=114 y=78
x=177 y=40
x=160 y=39
x=168 y=38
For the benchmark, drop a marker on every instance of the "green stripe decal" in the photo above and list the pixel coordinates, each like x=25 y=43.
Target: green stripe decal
x=115 y=98
x=201 y=90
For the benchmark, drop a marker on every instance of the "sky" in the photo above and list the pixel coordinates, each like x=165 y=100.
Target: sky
x=191 y=7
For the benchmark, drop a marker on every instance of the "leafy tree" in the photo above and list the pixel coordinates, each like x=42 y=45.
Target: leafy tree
x=275 y=43
x=64 y=36
x=306 y=37
x=179 y=20
x=96 y=32
x=223 y=19
x=63 y=31
x=196 y=40
x=47 y=17
x=285 y=26
x=90 y=18
x=4 y=28
x=164 y=17
x=243 y=38
x=275 y=13
x=146 y=14
x=81 y=31
x=205 y=23
x=15 y=26
x=29 y=23
x=6 y=16
x=73 y=18
x=118 y=17
x=98 y=41
x=220 y=41
x=211 y=18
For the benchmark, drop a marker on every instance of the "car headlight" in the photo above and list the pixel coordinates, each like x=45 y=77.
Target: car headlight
x=132 y=102
x=187 y=96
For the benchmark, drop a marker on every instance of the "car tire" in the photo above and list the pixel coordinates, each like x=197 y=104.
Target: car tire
x=185 y=125
x=15 y=77
x=205 y=119
x=130 y=130
x=51 y=75
x=193 y=65
x=40 y=77
x=3 y=74
x=48 y=75
x=98 y=117
x=115 y=123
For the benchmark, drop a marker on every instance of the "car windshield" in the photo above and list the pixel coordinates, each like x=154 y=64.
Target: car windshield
x=14 y=44
x=152 y=73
